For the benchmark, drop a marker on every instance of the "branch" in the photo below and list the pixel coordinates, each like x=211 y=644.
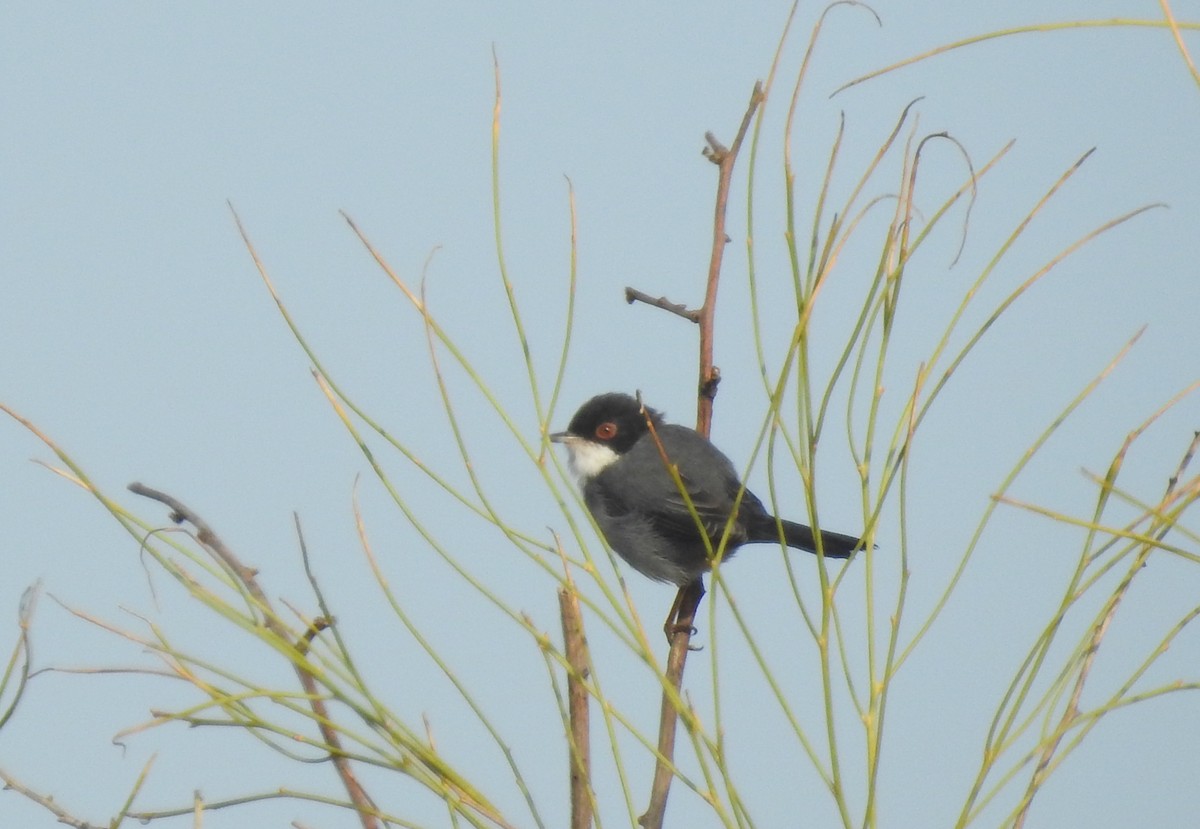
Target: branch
x=47 y=802
x=1099 y=630
x=687 y=602
x=724 y=159
x=633 y=295
x=248 y=576
x=576 y=650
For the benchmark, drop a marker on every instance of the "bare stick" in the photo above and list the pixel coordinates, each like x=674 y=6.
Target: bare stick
x=248 y=576
x=576 y=649
x=633 y=295
x=685 y=607
x=724 y=159
x=687 y=602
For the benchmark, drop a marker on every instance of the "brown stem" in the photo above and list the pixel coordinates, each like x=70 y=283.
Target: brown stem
x=684 y=612
x=576 y=650
x=688 y=601
x=180 y=513
x=724 y=159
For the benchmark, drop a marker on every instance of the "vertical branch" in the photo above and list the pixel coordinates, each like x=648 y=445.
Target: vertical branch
x=687 y=602
x=575 y=646
x=724 y=158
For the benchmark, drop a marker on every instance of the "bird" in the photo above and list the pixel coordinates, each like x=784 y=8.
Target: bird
x=623 y=455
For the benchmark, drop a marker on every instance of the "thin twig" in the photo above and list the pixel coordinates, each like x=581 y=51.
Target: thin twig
x=1072 y=711
x=47 y=802
x=22 y=653
x=633 y=295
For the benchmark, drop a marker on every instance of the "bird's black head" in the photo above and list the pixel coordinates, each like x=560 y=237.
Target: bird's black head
x=614 y=420
x=604 y=428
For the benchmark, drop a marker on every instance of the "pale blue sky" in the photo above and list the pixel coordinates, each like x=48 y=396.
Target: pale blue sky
x=135 y=331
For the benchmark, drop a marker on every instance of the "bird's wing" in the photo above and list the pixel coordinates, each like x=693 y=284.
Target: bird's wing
x=666 y=516
x=711 y=508
x=706 y=476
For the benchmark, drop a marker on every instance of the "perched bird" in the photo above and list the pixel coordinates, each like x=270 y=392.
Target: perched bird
x=636 y=501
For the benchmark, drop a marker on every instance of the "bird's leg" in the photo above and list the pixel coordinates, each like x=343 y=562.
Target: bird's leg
x=682 y=616
x=669 y=626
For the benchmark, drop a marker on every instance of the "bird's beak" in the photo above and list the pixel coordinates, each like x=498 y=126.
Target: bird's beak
x=561 y=437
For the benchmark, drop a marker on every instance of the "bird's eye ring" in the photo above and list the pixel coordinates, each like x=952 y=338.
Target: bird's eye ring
x=606 y=430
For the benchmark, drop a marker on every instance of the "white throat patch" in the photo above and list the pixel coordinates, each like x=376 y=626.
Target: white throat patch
x=588 y=459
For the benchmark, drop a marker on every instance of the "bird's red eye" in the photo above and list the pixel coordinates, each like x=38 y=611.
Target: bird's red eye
x=606 y=431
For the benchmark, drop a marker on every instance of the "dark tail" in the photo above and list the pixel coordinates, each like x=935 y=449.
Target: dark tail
x=834 y=545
